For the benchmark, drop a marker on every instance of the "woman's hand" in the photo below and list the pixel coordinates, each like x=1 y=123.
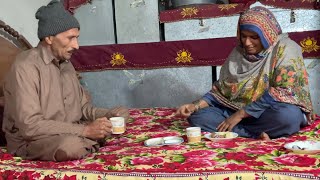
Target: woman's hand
x=310 y=118
x=186 y=110
x=233 y=120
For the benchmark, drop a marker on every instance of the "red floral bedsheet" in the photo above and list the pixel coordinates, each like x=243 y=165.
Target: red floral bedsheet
x=125 y=156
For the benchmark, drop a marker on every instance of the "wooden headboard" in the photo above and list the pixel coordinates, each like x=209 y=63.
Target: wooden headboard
x=11 y=43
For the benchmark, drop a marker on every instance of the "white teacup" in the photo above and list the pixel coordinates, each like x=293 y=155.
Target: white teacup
x=118 y=125
x=193 y=134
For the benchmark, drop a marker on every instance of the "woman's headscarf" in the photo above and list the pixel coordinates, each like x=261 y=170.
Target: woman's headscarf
x=261 y=21
x=278 y=70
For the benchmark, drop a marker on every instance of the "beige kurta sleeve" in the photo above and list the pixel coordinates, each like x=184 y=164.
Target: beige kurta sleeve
x=24 y=105
x=89 y=112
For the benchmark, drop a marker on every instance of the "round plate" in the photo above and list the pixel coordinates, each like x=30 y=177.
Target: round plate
x=227 y=136
x=161 y=141
x=304 y=147
x=118 y=132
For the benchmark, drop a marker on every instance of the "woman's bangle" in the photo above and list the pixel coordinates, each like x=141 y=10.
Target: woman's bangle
x=196 y=105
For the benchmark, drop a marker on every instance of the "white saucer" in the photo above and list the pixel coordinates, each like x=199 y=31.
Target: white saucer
x=304 y=147
x=161 y=141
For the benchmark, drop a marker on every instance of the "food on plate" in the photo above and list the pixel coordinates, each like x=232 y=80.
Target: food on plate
x=222 y=135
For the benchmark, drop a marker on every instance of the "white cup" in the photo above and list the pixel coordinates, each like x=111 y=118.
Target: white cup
x=118 y=125
x=193 y=134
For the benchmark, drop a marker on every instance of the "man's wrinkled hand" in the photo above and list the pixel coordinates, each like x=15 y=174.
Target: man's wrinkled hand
x=98 y=129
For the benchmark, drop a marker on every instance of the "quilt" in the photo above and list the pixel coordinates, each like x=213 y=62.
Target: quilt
x=126 y=157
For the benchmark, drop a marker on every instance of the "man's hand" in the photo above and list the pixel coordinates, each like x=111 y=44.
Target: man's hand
x=98 y=129
x=233 y=120
x=186 y=110
x=118 y=112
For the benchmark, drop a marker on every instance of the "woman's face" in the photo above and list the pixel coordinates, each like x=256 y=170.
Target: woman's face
x=251 y=42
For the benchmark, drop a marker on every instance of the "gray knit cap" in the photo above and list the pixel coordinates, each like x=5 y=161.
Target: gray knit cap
x=54 y=19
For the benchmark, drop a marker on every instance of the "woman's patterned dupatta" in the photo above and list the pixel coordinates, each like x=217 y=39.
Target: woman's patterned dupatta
x=278 y=70
x=281 y=72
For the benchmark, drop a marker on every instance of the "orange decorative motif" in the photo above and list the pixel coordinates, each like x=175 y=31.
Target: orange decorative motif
x=309 y=44
x=189 y=12
x=227 y=6
x=184 y=56
x=117 y=59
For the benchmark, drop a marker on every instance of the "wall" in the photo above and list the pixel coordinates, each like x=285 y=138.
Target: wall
x=96 y=23
x=20 y=15
x=137 y=21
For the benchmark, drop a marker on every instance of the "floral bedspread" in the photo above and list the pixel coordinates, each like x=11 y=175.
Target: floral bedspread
x=126 y=157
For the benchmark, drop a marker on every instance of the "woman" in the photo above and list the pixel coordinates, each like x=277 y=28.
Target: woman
x=263 y=87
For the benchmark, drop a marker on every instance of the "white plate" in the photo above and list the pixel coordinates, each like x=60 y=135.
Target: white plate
x=304 y=147
x=161 y=141
x=231 y=134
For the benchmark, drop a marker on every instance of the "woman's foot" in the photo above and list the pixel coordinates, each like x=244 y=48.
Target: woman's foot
x=264 y=136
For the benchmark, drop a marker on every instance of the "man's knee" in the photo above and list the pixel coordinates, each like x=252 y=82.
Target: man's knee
x=71 y=148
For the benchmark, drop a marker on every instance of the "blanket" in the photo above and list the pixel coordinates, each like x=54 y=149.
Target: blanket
x=126 y=157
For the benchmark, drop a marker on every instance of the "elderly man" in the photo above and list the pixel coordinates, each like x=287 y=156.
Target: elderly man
x=47 y=115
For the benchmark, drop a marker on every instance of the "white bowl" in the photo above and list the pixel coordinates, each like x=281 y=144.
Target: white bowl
x=230 y=135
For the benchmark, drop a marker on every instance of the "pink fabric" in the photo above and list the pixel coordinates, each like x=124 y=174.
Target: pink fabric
x=235 y=7
x=204 y=52
x=288 y=4
x=71 y=5
x=293 y=4
x=202 y=12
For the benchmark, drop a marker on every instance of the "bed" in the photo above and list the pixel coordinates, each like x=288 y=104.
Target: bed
x=126 y=156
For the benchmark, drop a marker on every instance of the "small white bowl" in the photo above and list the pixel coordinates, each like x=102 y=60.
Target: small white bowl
x=228 y=136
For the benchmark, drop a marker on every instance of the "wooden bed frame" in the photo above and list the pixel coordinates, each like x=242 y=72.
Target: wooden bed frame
x=11 y=43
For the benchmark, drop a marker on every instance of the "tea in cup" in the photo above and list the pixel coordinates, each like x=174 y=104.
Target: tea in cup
x=193 y=134
x=118 y=125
